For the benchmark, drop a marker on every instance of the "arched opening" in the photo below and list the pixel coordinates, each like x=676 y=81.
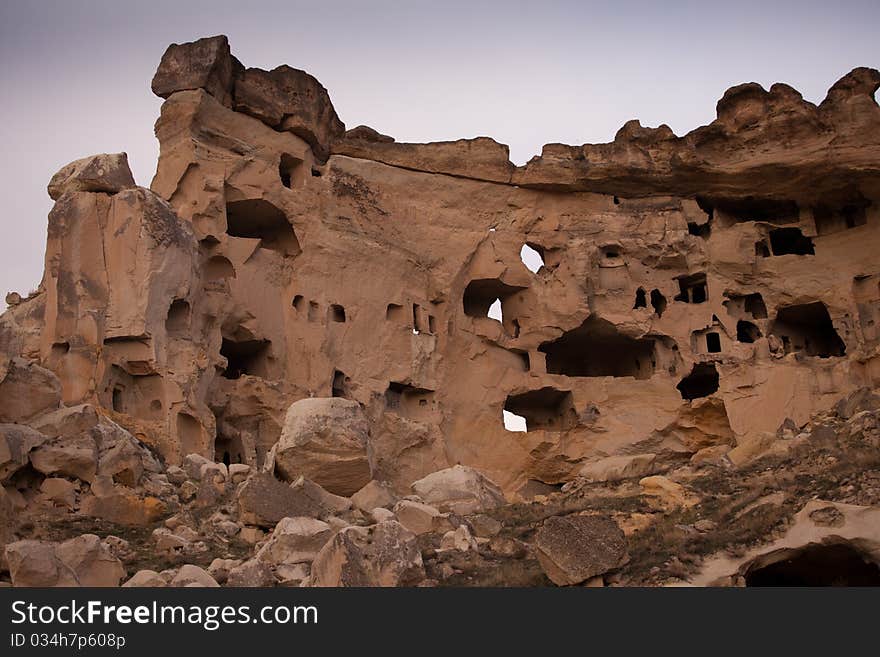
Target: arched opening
x=747 y=331
x=641 y=299
x=808 y=328
x=218 y=268
x=837 y=564
x=658 y=302
x=177 y=322
x=546 y=408
x=701 y=382
x=260 y=219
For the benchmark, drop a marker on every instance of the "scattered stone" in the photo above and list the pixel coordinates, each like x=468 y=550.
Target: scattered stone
x=415 y=516
x=145 y=579
x=295 y=540
x=374 y=494
x=572 y=549
x=459 y=489
x=190 y=575
x=80 y=561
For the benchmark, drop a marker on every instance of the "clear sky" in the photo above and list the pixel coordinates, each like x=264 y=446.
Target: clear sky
x=76 y=74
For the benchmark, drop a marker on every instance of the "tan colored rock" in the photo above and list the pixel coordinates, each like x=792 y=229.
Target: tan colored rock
x=666 y=493
x=264 y=501
x=459 y=489
x=27 y=390
x=80 y=561
x=415 y=516
x=74 y=457
x=326 y=441
x=145 y=579
x=252 y=573
x=107 y=173
x=459 y=539
x=751 y=448
x=59 y=491
x=295 y=540
x=190 y=575
x=615 y=468
x=385 y=554
x=373 y=495
x=572 y=549
x=16 y=442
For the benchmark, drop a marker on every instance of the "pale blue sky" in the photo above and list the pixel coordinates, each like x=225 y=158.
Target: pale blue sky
x=76 y=74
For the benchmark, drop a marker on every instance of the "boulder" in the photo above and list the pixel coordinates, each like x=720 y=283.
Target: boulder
x=374 y=494
x=615 y=468
x=572 y=549
x=66 y=421
x=416 y=517
x=459 y=489
x=26 y=391
x=295 y=540
x=76 y=456
x=264 y=501
x=80 y=561
x=252 y=573
x=290 y=99
x=190 y=575
x=59 y=491
x=325 y=439
x=16 y=442
x=202 y=64
x=107 y=172
x=145 y=579
x=385 y=554
x=459 y=539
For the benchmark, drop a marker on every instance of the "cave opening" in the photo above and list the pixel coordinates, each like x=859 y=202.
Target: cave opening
x=290 y=170
x=701 y=382
x=481 y=294
x=658 y=302
x=692 y=289
x=790 y=241
x=260 y=219
x=747 y=332
x=837 y=564
x=218 y=267
x=177 y=321
x=808 y=328
x=641 y=299
x=337 y=313
x=246 y=357
x=547 y=408
x=596 y=348
x=713 y=343
x=758 y=209
x=532 y=257
x=340 y=384
x=409 y=400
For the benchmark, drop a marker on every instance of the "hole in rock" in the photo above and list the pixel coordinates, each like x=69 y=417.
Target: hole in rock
x=177 y=321
x=394 y=312
x=495 y=311
x=417 y=319
x=701 y=382
x=317 y=173
x=752 y=209
x=532 y=257
x=616 y=201
x=790 y=241
x=336 y=313
x=546 y=408
x=408 y=400
x=248 y=357
x=432 y=324
x=641 y=299
x=808 y=328
x=747 y=331
x=658 y=302
x=834 y=219
x=290 y=171
x=218 y=268
x=513 y=422
x=299 y=303
x=481 y=294
x=260 y=219
x=59 y=350
x=692 y=289
x=116 y=400
x=838 y=564
x=228 y=449
x=340 y=384
x=699 y=230
x=754 y=305
x=597 y=348
x=761 y=249
x=314 y=309
x=713 y=343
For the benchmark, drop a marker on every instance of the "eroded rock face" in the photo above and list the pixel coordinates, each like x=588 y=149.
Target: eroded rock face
x=291 y=301
x=384 y=554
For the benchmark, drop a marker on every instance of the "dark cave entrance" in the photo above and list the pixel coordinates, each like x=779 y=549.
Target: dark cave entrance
x=546 y=408
x=839 y=564
x=597 y=348
x=260 y=219
x=246 y=357
x=808 y=328
x=701 y=382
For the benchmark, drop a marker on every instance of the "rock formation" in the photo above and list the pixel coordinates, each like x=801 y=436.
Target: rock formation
x=295 y=314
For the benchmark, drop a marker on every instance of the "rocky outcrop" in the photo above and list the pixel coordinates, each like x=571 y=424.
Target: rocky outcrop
x=82 y=561
x=445 y=358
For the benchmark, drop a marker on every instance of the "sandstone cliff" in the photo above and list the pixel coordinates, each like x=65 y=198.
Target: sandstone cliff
x=696 y=296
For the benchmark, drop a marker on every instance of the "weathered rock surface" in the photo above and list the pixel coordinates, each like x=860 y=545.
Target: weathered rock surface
x=108 y=173
x=385 y=554
x=459 y=489
x=326 y=441
x=81 y=561
x=573 y=549
x=684 y=322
